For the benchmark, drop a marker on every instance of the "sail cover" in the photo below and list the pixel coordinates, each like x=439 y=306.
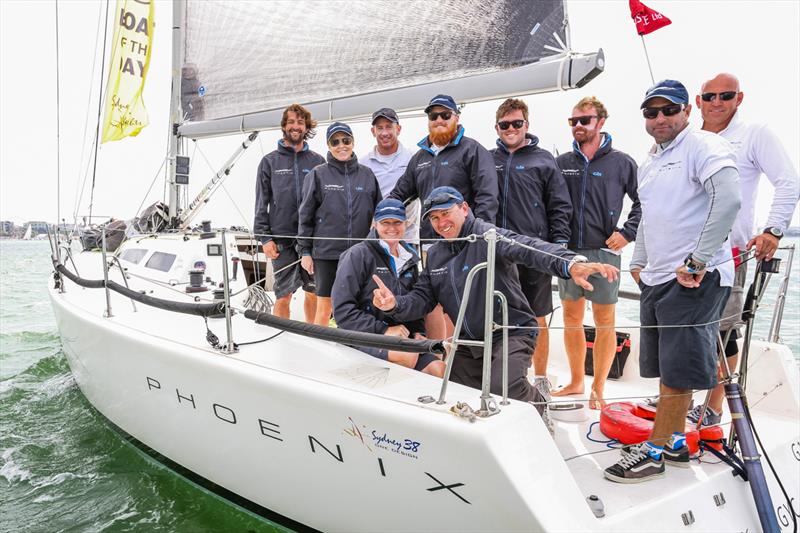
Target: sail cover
x=242 y=58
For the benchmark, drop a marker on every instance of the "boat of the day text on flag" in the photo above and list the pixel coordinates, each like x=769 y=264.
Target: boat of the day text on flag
x=167 y=329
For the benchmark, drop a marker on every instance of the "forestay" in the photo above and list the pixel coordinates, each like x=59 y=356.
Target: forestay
x=245 y=61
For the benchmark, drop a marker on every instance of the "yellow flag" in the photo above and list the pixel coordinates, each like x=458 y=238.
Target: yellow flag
x=125 y=113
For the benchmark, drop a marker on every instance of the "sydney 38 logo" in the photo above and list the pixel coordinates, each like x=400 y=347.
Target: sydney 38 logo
x=381 y=439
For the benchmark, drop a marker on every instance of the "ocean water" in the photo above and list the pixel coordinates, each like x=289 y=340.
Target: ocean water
x=63 y=469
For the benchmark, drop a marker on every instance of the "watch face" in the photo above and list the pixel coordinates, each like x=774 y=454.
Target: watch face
x=775 y=232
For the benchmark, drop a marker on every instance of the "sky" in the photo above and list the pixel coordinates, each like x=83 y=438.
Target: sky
x=756 y=40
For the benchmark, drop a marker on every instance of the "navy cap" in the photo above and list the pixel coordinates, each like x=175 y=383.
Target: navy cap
x=443 y=100
x=389 y=208
x=387 y=113
x=672 y=90
x=441 y=198
x=337 y=127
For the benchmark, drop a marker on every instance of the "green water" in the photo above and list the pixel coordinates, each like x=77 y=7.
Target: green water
x=61 y=467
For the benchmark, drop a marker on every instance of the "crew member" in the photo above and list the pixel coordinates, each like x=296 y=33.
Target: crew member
x=689 y=189
x=534 y=201
x=279 y=189
x=444 y=277
x=339 y=198
x=599 y=177
x=393 y=261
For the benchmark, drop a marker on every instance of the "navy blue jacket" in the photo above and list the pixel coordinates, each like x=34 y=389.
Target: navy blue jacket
x=445 y=274
x=597 y=188
x=339 y=199
x=463 y=164
x=352 y=290
x=279 y=189
x=534 y=199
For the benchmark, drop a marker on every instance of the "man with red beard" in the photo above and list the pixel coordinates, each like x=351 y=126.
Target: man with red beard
x=448 y=158
x=598 y=178
x=279 y=190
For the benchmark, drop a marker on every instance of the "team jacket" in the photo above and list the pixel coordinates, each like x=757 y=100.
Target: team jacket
x=339 y=199
x=534 y=199
x=352 y=290
x=463 y=164
x=597 y=188
x=279 y=189
x=445 y=274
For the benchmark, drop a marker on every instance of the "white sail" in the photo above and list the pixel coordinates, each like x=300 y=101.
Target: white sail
x=27 y=235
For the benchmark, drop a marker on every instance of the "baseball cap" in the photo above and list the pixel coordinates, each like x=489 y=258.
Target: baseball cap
x=672 y=90
x=337 y=127
x=441 y=198
x=389 y=208
x=387 y=113
x=443 y=100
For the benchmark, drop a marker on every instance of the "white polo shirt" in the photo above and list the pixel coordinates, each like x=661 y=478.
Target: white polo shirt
x=758 y=151
x=388 y=169
x=675 y=204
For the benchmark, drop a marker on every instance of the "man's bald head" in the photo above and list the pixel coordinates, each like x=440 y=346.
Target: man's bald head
x=718 y=101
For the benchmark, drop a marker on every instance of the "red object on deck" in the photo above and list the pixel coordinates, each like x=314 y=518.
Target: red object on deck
x=623 y=421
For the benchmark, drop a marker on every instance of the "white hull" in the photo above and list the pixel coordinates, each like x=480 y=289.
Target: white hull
x=316 y=431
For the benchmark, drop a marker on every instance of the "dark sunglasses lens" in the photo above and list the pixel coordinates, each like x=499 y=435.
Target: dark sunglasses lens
x=667 y=110
x=505 y=124
x=444 y=114
x=671 y=110
x=650 y=112
x=584 y=120
x=707 y=97
x=347 y=141
x=728 y=95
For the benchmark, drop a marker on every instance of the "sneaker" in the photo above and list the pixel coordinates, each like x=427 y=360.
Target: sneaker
x=541 y=386
x=676 y=452
x=711 y=418
x=636 y=465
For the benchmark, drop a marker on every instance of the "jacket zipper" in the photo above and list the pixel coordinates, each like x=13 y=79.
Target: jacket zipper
x=505 y=191
x=583 y=200
x=349 y=206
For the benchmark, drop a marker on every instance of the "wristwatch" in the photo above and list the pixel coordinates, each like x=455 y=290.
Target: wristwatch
x=775 y=231
x=692 y=266
x=577 y=259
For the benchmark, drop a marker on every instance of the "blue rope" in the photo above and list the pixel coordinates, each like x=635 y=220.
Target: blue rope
x=611 y=443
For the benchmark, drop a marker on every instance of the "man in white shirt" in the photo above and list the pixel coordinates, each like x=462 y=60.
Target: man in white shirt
x=388 y=160
x=690 y=196
x=758 y=151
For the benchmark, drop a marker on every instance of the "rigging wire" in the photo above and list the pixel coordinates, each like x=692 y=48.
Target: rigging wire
x=58 y=129
x=222 y=185
x=99 y=111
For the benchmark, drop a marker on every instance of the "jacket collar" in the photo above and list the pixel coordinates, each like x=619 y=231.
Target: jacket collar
x=466 y=229
x=348 y=166
x=532 y=144
x=283 y=147
x=381 y=251
x=425 y=143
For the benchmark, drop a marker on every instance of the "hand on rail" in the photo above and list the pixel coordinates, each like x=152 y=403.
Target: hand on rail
x=308 y=264
x=580 y=273
x=397 y=331
x=382 y=297
x=271 y=250
x=765 y=245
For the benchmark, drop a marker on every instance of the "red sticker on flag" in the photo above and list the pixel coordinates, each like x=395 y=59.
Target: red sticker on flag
x=647 y=20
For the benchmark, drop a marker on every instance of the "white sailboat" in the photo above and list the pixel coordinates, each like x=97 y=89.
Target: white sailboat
x=318 y=435
x=27 y=235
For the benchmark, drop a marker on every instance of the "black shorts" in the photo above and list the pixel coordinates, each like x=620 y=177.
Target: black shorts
x=683 y=357
x=468 y=367
x=537 y=286
x=289 y=275
x=324 y=276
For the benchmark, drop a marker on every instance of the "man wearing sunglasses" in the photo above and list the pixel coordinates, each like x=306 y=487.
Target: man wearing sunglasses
x=445 y=275
x=689 y=189
x=279 y=190
x=758 y=152
x=599 y=178
x=534 y=201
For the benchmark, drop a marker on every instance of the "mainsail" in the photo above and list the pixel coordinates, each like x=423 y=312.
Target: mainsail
x=243 y=62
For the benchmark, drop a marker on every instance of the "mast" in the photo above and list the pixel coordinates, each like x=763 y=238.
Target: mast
x=175 y=112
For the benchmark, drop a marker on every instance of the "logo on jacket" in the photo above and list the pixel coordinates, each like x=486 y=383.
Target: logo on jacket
x=571 y=171
x=465 y=269
x=445 y=163
x=305 y=170
x=335 y=187
x=439 y=271
x=359 y=188
x=423 y=164
x=597 y=173
x=283 y=171
x=519 y=167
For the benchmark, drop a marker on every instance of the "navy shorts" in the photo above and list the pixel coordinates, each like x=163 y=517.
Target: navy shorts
x=289 y=277
x=683 y=357
x=537 y=287
x=324 y=276
x=423 y=360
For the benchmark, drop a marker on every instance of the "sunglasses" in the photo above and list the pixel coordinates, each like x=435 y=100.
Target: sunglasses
x=727 y=95
x=440 y=198
x=347 y=141
x=667 y=110
x=584 y=120
x=505 y=124
x=446 y=115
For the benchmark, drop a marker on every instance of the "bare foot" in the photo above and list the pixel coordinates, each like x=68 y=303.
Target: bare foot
x=568 y=389
x=596 y=400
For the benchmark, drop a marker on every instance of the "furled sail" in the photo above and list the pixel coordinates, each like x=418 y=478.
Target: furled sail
x=245 y=61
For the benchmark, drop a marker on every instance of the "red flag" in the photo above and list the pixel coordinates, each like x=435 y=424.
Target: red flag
x=647 y=20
